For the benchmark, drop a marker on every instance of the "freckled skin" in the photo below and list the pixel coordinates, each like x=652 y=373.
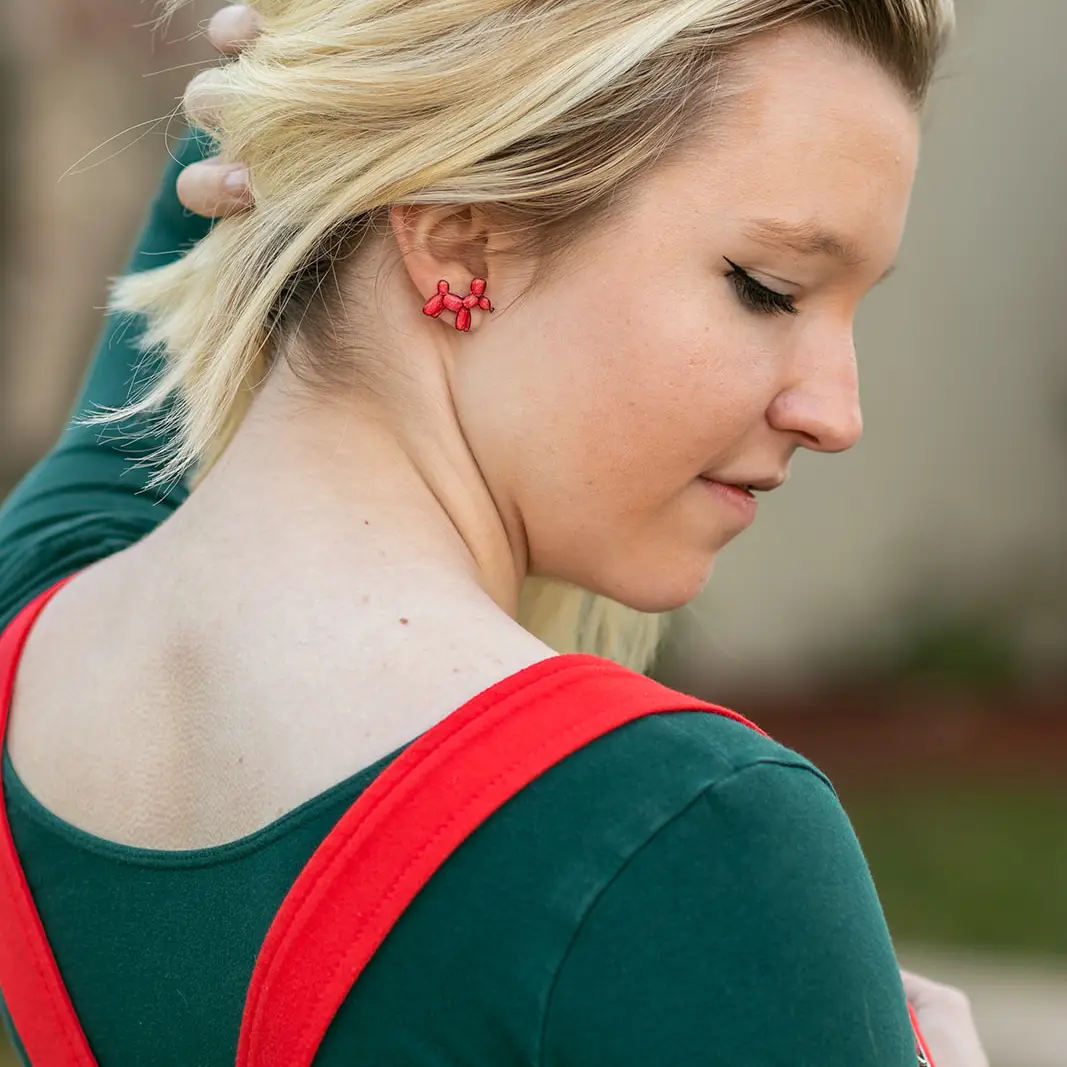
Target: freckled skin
x=590 y=418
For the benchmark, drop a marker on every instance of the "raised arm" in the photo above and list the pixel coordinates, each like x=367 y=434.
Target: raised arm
x=86 y=498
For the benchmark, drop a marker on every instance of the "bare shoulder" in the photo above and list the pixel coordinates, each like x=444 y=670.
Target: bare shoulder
x=88 y=671
x=168 y=715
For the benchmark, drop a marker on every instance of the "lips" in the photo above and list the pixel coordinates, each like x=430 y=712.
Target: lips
x=741 y=489
x=738 y=499
x=761 y=484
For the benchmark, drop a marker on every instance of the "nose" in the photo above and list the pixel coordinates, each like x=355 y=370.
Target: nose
x=820 y=406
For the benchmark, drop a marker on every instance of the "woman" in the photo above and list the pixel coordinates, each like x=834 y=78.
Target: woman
x=662 y=215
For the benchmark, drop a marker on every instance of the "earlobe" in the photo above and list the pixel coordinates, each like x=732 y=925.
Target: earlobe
x=441 y=243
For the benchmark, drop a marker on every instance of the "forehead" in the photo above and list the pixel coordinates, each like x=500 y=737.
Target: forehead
x=811 y=135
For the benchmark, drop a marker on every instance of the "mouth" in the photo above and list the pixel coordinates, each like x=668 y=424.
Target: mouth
x=739 y=497
x=758 y=485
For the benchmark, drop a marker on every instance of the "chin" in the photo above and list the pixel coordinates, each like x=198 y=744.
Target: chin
x=655 y=590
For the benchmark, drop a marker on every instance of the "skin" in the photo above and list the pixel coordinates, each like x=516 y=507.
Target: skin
x=565 y=434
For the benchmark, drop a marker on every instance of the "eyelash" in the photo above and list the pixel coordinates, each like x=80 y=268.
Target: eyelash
x=758 y=297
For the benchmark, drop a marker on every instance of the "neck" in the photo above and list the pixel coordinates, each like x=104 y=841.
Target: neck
x=317 y=488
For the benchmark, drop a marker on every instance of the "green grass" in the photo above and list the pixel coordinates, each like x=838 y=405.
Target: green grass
x=981 y=865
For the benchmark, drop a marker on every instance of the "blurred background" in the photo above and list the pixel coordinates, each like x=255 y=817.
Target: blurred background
x=898 y=614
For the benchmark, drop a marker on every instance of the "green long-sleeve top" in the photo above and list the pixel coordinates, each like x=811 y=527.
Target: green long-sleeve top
x=683 y=891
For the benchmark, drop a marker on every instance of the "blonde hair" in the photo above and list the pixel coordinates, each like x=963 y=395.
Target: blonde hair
x=542 y=110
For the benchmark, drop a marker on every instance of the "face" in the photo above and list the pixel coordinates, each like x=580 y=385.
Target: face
x=689 y=347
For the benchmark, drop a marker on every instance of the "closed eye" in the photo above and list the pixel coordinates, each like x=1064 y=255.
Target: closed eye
x=758 y=297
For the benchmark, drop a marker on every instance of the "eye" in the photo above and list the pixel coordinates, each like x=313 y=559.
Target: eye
x=758 y=297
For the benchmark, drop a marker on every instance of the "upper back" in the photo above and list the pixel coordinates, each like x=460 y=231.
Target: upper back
x=165 y=714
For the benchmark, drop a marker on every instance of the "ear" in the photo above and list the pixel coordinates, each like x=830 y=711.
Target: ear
x=442 y=242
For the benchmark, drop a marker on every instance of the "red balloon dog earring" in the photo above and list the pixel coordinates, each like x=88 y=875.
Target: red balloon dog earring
x=444 y=300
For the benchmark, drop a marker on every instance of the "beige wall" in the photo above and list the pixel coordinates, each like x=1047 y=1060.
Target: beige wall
x=960 y=483
x=93 y=86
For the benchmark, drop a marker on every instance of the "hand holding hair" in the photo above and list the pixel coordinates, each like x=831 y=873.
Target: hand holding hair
x=217 y=188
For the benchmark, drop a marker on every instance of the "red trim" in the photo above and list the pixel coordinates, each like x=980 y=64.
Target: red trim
x=34 y=992
x=387 y=846
x=920 y=1041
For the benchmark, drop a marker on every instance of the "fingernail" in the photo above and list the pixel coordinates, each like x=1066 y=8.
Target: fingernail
x=235 y=25
x=199 y=80
x=231 y=18
x=236 y=183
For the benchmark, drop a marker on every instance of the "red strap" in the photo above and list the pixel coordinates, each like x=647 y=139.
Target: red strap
x=921 y=1047
x=370 y=866
x=33 y=990
x=386 y=847
x=409 y=821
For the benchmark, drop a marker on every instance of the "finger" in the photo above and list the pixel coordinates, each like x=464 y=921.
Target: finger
x=233 y=28
x=946 y=1021
x=916 y=988
x=203 y=98
x=215 y=189
x=921 y=991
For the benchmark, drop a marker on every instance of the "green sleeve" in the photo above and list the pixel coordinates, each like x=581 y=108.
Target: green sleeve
x=676 y=964
x=88 y=498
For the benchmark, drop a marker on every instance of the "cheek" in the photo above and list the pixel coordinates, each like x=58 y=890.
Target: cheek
x=630 y=400
x=669 y=382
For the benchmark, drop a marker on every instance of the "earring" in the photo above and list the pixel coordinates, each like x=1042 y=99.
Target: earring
x=445 y=300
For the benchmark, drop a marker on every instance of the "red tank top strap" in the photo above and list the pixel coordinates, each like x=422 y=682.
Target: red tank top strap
x=409 y=821
x=33 y=989
x=411 y=818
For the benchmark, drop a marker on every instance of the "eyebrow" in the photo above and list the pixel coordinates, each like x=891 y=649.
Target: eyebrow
x=807 y=238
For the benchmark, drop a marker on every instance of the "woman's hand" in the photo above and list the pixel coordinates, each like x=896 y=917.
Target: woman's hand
x=213 y=187
x=946 y=1022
